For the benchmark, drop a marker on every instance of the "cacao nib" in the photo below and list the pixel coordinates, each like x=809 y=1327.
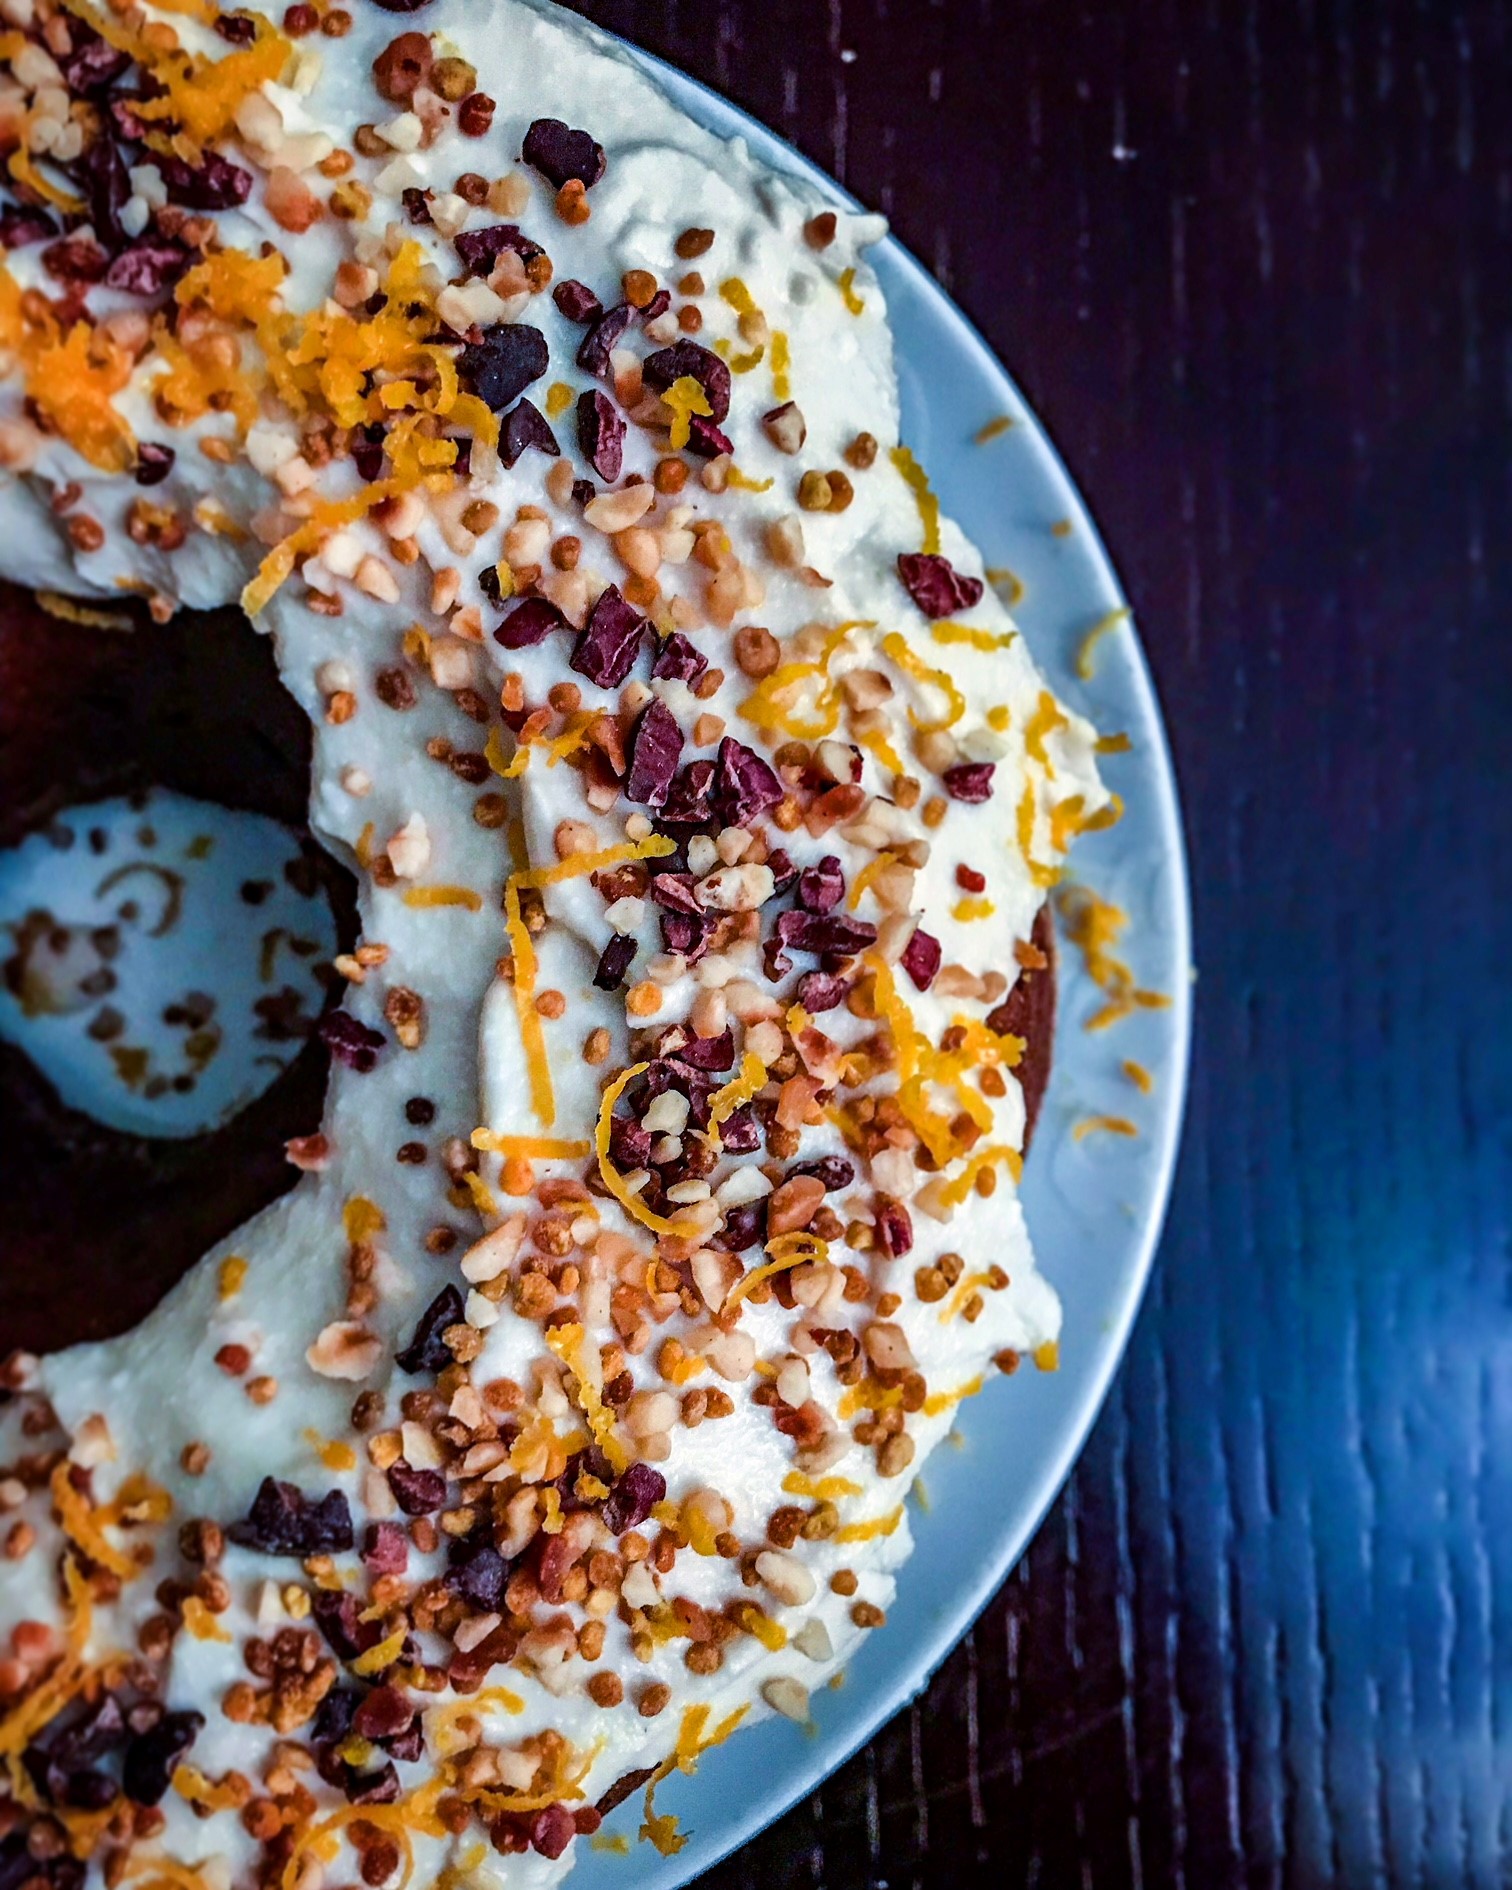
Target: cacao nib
x=740 y=1133
x=152 y=1758
x=401 y=6
x=102 y=171
x=284 y=1521
x=367 y=452
x=530 y=623
x=351 y=1042
x=584 y=491
x=478 y=1573
x=552 y=1830
x=675 y=891
x=561 y=154
x=833 y=1170
x=380 y=1787
x=383 y=1714
x=603 y=338
x=922 y=958
x=656 y=307
x=614 y=961
x=820 y=991
x=629 y=1143
x=601 y=434
x=577 y=301
x=525 y=426
x=744 y=1226
x=333 y=1718
x=94 y=65
x=705 y=441
x=75 y=259
x=783 y=871
x=679 y=660
x=687 y=360
x=64 y=1772
x=688 y=804
x=417 y=205
x=633 y=1497
x=744 y=786
x=338 y=1615
x=821 y=887
x=969 y=781
x=148 y=267
x=935 y=585
x=236 y=29
x=385 y=1549
x=21 y=224
x=215 y=183
x=154 y=463
x=894 y=1227
x=821 y=934
x=655 y=750
x=709 y=1053
x=503 y=364
x=417 y=1492
x=606 y=650
x=480 y=250
x=426 y=1351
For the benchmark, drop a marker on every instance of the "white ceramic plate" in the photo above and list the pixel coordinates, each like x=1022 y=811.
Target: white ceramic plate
x=1094 y=1207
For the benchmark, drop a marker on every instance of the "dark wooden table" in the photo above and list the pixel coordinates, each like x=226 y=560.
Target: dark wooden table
x=1251 y=263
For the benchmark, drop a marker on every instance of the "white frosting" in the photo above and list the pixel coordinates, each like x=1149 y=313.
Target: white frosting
x=160 y=1387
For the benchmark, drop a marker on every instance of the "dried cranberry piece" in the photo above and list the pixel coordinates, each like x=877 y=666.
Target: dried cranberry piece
x=824 y=933
x=75 y=259
x=709 y=1053
x=689 y=936
x=744 y=1226
x=478 y=1574
x=339 y=1617
x=675 y=891
x=614 y=961
x=577 y=301
x=406 y=1746
x=740 y=1133
x=629 y=1143
x=633 y=1497
x=525 y=426
x=480 y=250
x=922 y=958
x=606 y=650
x=655 y=750
x=561 y=154
x=969 y=781
x=94 y=65
x=782 y=869
x=833 y=1170
x=23 y=224
x=503 y=364
x=687 y=360
x=417 y=1492
x=102 y=171
x=530 y=623
x=601 y=434
x=894 y=1228
x=215 y=183
x=417 y=204
x=820 y=991
x=679 y=660
x=384 y=1713
x=935 y=585
x=154 y=463
x=284 y=1521
x=657 y=306
x=603 y=338
x=744 y=786
x=426 y=1351
x=152 y=1758
x=350 y=1042
x=688 y=804
x=705 y=441
x=821 y=887
x=385 y=1549
x=148 y=267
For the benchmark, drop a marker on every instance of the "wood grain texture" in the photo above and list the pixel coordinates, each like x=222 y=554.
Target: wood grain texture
x=1251 y=264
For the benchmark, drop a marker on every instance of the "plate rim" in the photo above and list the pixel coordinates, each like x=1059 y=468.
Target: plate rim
x=911 y=1674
